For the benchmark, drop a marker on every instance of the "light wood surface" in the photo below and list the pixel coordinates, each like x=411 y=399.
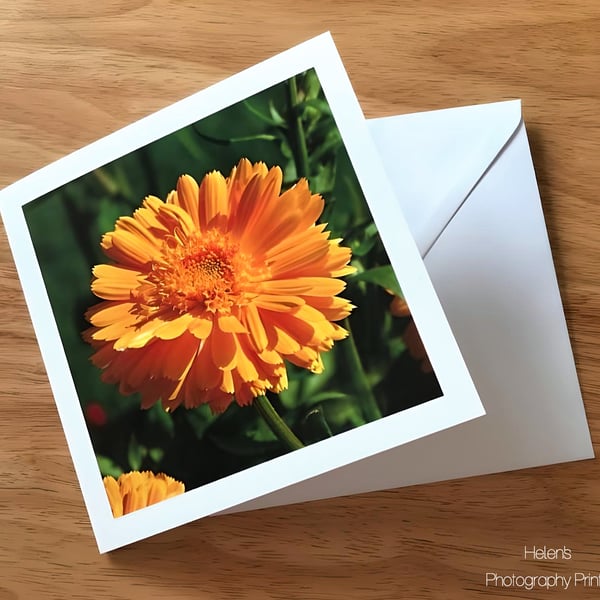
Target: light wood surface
x=74 y=71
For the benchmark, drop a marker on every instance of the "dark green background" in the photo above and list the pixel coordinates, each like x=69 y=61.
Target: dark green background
x=195 y=446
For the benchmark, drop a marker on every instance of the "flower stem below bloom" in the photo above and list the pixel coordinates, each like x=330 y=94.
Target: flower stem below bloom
x=358 y=377
x=301 y=153
x=277 y=425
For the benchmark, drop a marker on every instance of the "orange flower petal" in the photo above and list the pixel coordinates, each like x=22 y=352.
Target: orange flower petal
x=203 y=374
x=332 y=308
x=129 y=246
x=177 y=218
x=237 y=181
x=201 y=328
x=218 y=400
x=305 y=252
x=285 y=343
x=135 y=490
x=212 y=198
x=309 y=286
x=174 y=328
x=231 y=324
x=224 y=349
x=299 y=330
x=143 y=362
x=260 y=193
x=188 y=197
x=114 y=282
x=255 y=327
x=138 y=337
x=245 y=367
x=107 y=313
x=278 y=302
x=157 y=490
x=227 y=383
x=300 y=211
x=159 y=360
x=114 y=496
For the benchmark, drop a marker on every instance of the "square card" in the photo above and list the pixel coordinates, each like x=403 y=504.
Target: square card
x=228 y=300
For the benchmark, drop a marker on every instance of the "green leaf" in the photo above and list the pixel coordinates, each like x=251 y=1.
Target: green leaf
x=270 y=119
x=158 y=416
x=122 y=178
x=343 y=413
x=135 y=454
x=286 y=150
x=322 y=182
x=363 y=248
x=329 y=395
x=259 y=431
x=331 y=143
x=200 y=419
x=189 y=142
x=364 y=239
x=156 y=454
x=267 y=137
x=290 y=398
x=348 y=204
x=396 y=346
x=275 y=114
x=314 y=426
x=108 y=468
x=311 y=84
x=382 y=276
x=317 y=103
x=108 y=213
x=315 y=382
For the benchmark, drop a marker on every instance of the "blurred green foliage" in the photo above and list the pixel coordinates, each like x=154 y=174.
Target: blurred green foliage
x=194 y=446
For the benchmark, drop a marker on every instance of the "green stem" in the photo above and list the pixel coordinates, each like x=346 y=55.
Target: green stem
x=301 y=153
x=277 y=425
x=357 y=375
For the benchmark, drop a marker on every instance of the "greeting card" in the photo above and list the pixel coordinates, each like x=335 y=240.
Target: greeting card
x=228 y=300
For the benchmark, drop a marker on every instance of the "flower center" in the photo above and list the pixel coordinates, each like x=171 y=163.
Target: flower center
x=203 y=272
x=209 y=266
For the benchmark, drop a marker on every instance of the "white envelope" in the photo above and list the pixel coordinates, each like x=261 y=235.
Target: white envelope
x=466 y=182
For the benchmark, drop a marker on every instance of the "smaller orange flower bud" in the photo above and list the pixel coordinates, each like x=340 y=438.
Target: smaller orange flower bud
x=399 y=308
x=135 y=490
x=415 y=347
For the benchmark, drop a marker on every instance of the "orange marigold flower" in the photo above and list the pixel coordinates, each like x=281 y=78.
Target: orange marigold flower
x=135 y=490
x=210 y=291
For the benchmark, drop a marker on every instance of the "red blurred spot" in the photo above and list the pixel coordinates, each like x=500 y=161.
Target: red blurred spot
x=95 y=414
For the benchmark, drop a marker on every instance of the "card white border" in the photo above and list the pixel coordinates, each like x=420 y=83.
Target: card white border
x=459 y=403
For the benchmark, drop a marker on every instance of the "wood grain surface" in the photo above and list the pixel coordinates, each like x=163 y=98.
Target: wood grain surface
x=74 y=71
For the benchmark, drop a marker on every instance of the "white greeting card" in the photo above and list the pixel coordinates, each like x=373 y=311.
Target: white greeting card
x=228 y=300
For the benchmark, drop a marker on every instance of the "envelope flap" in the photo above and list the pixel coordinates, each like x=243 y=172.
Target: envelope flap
x=436 y=158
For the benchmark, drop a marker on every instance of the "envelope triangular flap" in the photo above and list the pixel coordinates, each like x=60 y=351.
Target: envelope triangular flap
x=438 y=157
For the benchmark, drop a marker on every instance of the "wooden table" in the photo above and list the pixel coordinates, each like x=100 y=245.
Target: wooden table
x=75 y=71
